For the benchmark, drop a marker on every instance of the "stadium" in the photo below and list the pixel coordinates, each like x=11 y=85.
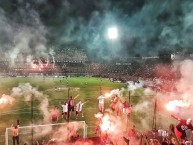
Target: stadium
x=96 y=73
x=47 y=83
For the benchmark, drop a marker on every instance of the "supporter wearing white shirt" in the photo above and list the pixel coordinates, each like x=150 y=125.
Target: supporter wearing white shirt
x=101 y=99
x=79 y=108
x=64 y=110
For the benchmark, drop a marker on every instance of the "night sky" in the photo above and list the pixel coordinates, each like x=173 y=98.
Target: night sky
x=145 y=27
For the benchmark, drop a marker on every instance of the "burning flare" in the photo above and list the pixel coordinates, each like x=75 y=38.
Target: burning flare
x=5 y=99
x=107 y=125
x=172 y=105
x=113 y=92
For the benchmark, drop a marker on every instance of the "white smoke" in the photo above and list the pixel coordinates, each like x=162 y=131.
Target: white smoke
x=135 y=85
x=44 y=108
x=114 y=92
x=27 y=91
x=142 y=106
x=42 y=131
x=185 y=84
x=148 y=91
x=22 y=41
x=52 y=53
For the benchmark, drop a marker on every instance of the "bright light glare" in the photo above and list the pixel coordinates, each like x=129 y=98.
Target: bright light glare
x=172 y=105
x=112 y=33
x=3 y=101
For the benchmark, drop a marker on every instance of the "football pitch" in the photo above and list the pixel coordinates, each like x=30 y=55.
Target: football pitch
x=56 y=90
x=26 y=95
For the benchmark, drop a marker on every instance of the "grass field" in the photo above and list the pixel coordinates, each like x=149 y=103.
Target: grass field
x=57 y=90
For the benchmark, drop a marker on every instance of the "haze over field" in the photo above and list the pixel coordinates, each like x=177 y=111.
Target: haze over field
x=37 y=28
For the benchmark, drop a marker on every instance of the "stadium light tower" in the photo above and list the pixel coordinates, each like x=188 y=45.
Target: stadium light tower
x=112 y=33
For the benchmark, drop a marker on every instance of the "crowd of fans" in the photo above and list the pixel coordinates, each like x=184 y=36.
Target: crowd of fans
x=71 y=55
x=74 y=61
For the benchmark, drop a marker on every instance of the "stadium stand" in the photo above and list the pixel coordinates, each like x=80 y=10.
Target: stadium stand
x=74 y=62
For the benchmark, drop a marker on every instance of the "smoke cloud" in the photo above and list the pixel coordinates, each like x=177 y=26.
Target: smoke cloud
x=145 y=27
x=44 y=108
x=184 y=85
x=23 y=35
x=178 y=100
x=26 y=90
